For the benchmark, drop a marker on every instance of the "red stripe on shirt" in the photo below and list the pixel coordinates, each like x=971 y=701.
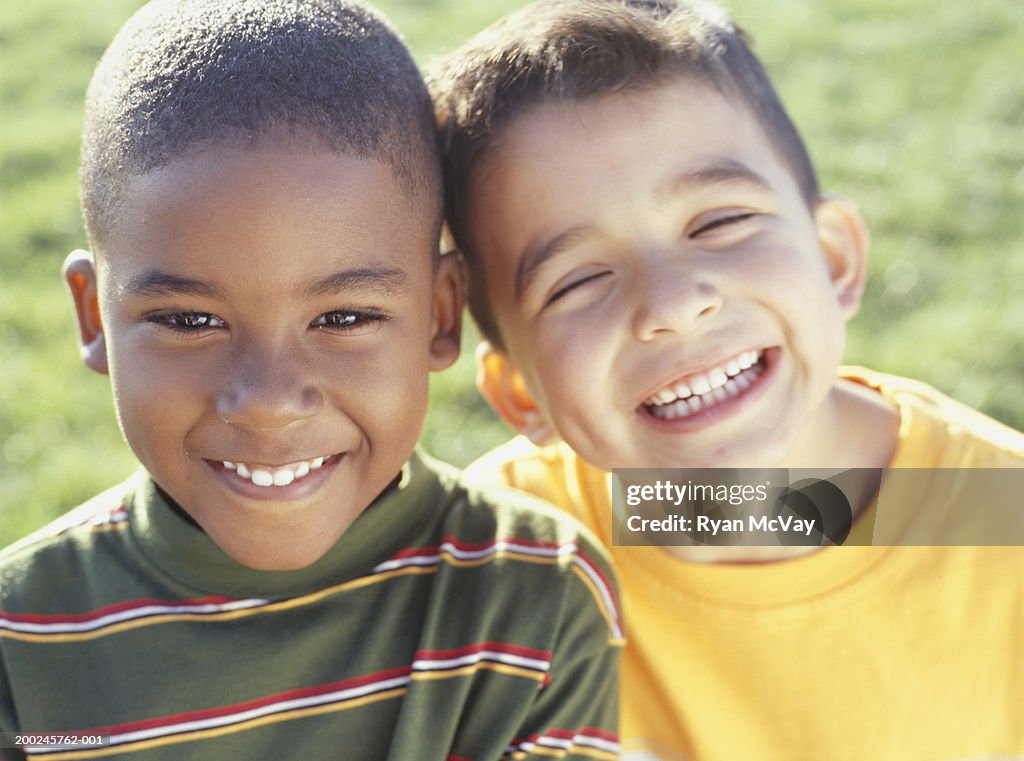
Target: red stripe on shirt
x=77 y=618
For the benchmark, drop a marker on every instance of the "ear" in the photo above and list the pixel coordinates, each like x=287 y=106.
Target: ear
x=446 y=315
x=503 y=388
x=80 y=275
x=845 y=241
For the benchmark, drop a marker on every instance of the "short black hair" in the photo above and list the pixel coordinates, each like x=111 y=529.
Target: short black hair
x=185 y=74
x=579 y=49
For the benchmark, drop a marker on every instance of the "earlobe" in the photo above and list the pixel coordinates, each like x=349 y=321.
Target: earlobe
x=503 y=388
x=446 y=318
x=845 y=242
x=80 y=275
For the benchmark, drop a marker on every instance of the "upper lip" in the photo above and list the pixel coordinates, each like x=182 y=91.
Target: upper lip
x=272 y=463
x=692 y=368
x=257 y=464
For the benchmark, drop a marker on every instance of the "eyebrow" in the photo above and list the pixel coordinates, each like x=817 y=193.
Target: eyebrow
x=374 y=279
x=155 y=283
x=387 y=281
x=717 y=171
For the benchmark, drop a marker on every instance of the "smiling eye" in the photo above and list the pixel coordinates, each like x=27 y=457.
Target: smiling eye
x=565 y=289
x=350 y=321
x=187 y=322
x=724 y=221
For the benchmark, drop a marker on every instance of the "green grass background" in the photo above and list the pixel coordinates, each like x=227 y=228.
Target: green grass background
x=914 y=108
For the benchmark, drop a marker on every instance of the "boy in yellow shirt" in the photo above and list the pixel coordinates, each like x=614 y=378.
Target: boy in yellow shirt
x=661 y=283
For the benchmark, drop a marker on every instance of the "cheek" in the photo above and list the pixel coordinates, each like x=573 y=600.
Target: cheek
x=155 y=411
x=816 y=324
x=151 y=388
x=385 y=386
x=796 y=285
x=572 y=365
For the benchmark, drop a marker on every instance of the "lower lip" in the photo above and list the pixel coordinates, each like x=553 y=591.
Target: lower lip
x=297 y=489
x=705 y=418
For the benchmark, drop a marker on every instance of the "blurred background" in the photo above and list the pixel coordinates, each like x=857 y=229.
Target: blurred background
x=915 y=109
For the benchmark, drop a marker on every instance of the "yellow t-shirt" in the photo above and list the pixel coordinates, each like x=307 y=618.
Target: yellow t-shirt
x=865 y=653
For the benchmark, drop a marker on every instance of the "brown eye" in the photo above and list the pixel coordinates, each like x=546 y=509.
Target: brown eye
x=350 y=321
x=338 y=320
x=196 y=320
x=187 y=322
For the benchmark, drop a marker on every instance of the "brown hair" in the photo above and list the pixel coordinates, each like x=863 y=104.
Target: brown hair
x=577 y=49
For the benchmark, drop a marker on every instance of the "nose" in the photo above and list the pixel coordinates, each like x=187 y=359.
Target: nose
x=268 y=390
x=672 y=300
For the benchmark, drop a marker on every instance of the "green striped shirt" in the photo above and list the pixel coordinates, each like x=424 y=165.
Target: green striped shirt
x=446 y=623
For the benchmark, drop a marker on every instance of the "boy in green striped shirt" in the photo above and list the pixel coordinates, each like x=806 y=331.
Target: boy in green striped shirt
x=287 y=578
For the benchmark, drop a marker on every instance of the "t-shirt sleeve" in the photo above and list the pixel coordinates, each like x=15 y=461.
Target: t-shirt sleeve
x=540 y=472
x=575 y=715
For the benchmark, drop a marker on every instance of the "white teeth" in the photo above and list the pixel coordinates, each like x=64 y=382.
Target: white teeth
x=681 y=391
x=717 y=378
x=700 y=384
x=277 y=476
x=731 y=387
x=283 y=477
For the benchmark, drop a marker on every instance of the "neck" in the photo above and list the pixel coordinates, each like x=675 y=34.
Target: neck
x=854 y=427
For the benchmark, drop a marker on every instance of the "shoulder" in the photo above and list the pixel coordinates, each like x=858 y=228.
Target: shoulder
x=534 y=544
x=518 y=463
x=552 y=473
x=529 y=499
x=932 y=425
x=486 y=507
x=65 y=546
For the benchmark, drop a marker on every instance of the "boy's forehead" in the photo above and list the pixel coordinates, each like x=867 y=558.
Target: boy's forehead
x=283 y=155
x=558 y=123
x=236 y=213
x=682 y=131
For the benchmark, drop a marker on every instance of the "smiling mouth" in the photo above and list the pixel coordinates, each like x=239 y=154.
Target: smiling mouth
x=280 y=475
x=705 y=390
